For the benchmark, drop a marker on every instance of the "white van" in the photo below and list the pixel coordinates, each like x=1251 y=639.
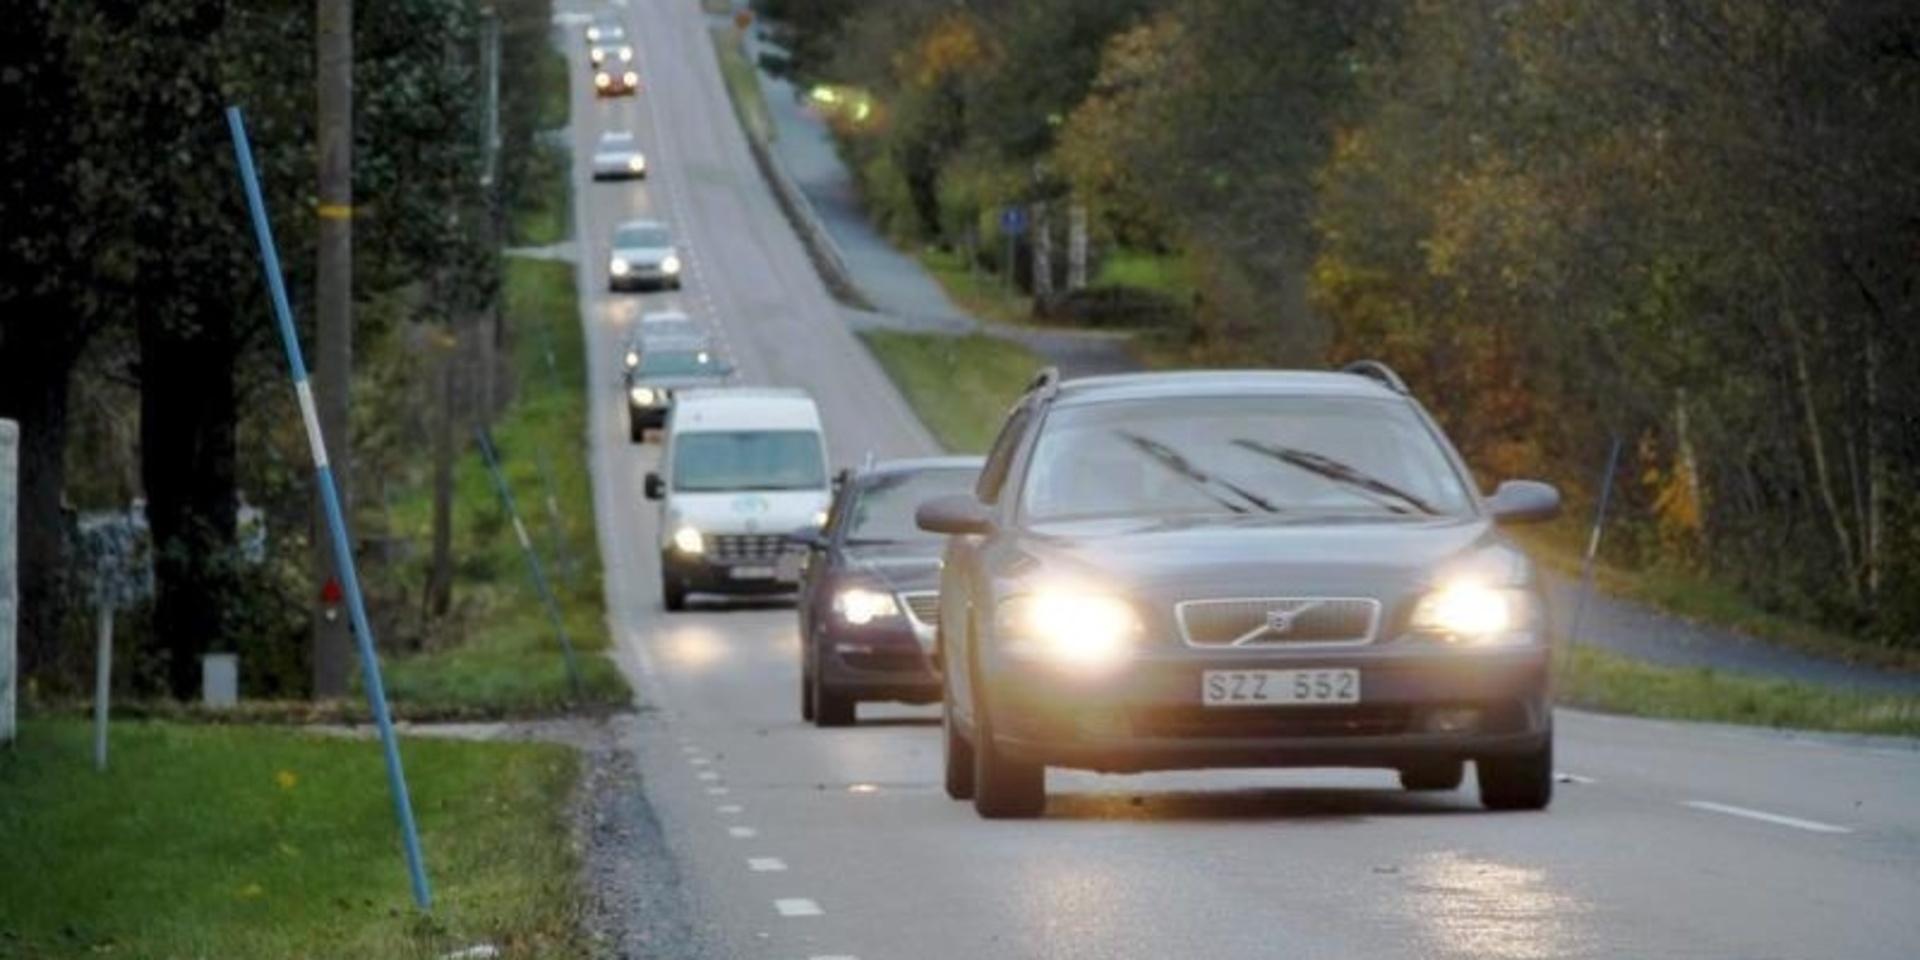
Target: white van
x=740 y=470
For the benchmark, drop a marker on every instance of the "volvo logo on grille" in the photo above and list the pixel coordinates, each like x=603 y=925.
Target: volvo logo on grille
x=1280 y=620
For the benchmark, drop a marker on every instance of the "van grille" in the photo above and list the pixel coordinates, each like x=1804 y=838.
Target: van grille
x=749 y=546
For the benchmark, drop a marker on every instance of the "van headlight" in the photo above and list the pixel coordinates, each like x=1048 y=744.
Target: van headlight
x=670 y=265
x=1091 y=631
x=642 y=397
x=619 y=267
x=1474 y=613
x=636 y=163
x=860 y=606
x=819 y=518
x=688 y=540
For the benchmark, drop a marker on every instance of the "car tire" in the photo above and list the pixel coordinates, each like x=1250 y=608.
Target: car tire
x=636 y=431
x=831 y=709
x=959 y=757
x=1522 y=782
x=673 y=596
x=1003 y=788
x=806 y=691
x=1433 y=775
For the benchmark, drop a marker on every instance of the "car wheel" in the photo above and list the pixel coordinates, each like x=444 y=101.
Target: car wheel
x=1433 y=775
x=959 y=757
x=672 y=595
x=1003 y=788
x=831 y=709
x=806 y=693
x=1523 y=782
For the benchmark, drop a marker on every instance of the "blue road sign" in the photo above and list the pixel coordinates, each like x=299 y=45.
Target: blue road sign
x=1013 y=220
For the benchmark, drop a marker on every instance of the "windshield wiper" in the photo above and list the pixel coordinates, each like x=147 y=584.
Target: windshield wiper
x=1173 y=460
x=1339 y=472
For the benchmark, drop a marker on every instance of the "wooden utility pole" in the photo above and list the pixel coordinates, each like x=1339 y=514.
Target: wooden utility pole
x=333 y=318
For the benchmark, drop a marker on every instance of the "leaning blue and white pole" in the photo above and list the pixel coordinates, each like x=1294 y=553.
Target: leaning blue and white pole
x=330 y=498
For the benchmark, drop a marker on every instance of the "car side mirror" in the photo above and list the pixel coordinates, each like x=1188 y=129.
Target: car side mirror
x=810 y=537
x=656 y=486
x=1524 y=501
x=960 y=513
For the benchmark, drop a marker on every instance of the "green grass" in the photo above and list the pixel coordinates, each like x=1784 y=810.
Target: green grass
x=743 y=85
x=1598 y=680
x=251 y=842
x=961 y=387
x=1163 y=273
x=977 y=292
x=505 y=659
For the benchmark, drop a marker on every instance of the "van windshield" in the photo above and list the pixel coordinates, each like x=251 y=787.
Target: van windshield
x=748 y=460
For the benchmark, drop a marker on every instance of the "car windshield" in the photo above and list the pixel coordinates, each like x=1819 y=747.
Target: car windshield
x=641 y=235
x=748 y=460
x=1224 y=456
x=882 y=510
x=680 y=363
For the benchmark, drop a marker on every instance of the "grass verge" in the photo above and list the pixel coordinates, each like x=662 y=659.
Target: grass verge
x=507 y=660
x=743 y=85
x=540 y=213
x=976 y=292
x=1599 y=680
x=251 y=842
x=961 y=387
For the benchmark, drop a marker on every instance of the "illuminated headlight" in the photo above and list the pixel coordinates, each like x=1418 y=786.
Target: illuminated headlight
x=819 y=518
x=1474 y=613
x=636 y=163
x=596 y=55
x=593 y=33
x=626 y=53
x=642 y=397
x=670 y=266
x=860 y=606
x=631 y=78
x=1087 y=630
x=689 y=540
x=601 y=80
x=619 y=267
x=633 y=359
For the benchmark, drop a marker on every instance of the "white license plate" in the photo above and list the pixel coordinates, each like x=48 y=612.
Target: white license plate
x=751 y=573
x=1266 y=688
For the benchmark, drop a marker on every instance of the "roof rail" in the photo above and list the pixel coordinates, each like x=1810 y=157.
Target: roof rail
x=1375 y=370
x=1046 y=382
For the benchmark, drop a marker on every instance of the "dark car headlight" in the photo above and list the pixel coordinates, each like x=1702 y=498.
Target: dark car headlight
x=859 y=606
x=1079 y=629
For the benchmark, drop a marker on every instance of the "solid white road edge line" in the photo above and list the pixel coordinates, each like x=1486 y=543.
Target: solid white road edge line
x=1814 y=826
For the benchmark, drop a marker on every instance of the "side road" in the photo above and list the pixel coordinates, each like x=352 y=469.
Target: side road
x=909 y=299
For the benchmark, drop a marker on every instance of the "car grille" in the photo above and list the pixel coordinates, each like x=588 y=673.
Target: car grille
x=923 y=607
x=1277 y=621
x=736 y=547
x=1277 y=722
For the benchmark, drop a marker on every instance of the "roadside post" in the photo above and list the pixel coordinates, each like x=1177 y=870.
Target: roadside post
x=9 y=500
x=336 y=520
x=1593 y=544
x=533 y=558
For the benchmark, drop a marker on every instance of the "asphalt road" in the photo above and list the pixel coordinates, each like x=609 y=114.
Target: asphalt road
x=1665 y=841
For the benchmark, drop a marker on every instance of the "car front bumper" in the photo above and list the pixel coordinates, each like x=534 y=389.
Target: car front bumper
x=1416 y=703
x=643 y=278
x=884 y=660
x=649 y=417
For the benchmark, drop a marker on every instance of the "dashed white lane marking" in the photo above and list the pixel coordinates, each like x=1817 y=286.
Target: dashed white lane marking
x=716 y=791
x=836 y=956
x=1562 y=776
x=1814 y=826
x=728 y=808
x=708 y=775
x=766 y=864
x=699 y=761
x=742 y=833
x=798 y=907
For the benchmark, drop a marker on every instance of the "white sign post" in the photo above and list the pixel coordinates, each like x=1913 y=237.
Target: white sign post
x=9 y=589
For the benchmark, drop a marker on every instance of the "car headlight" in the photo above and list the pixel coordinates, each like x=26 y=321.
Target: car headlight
x=626 y=53
x=1474 y=613
x=619 y=266
x=631 y=78
x=636 y=163
x=641 y=396
x=860 y=606
x=596 y=55
x=689 y=540
x=633 y=359
x=601 y=80
x=593 y=33
x=1087 y=630
x=671 y=265
x=819 y=518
